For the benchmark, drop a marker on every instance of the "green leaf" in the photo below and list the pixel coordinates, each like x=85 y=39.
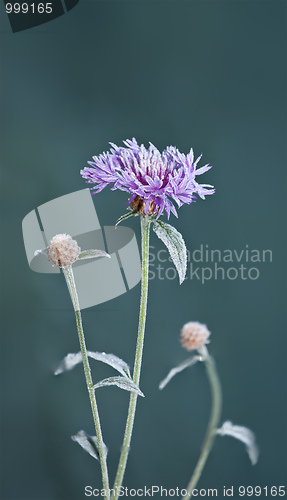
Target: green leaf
x=175 y=245
x=125 y=216
x=122 y=383
x=88 y=443
x=179 y=368
x=73 y=359
x=91 y=254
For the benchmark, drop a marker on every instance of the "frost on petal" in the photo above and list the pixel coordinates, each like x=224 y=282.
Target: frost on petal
x=158 y=179
x=203 y=169
x=242 y=434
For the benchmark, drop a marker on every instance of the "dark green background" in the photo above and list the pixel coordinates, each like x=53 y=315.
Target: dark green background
x=211 y=75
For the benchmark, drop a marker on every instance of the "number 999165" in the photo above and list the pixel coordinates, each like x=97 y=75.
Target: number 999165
x=25 y=8
x=257 y=491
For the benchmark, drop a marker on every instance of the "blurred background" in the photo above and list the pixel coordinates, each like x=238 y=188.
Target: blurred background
x=209 y=75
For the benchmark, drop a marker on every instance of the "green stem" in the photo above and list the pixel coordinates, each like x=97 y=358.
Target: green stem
x=69 y=275
x=145 y=225
x=213 y=421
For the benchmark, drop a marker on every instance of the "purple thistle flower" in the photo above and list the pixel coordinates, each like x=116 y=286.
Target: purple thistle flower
x=153 y=179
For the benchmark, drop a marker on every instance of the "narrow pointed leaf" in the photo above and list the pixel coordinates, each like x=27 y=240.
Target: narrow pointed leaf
x=69 y=362
x=122 y=383
x=88 y=443
x=174 y=242
x=37 y=252
x=72 y=359
x=125 y=216
x=91 y=254
x=178 y=369
x=242 y=434
x=110 y=359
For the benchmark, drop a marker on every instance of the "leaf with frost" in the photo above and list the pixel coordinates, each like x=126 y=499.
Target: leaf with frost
x=174 y=242
x=110 y=359
x=122 y=383
x=89 y=444
x=73 y=359
x=185 y=364
x=91 y=254
x=69 y=362
x=37 y=252
x=242 y=434
x=123 y=217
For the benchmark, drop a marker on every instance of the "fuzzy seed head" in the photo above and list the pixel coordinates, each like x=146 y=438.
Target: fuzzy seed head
x=194 y=335
x=63 y=250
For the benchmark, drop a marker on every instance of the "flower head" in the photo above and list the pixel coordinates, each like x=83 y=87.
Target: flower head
x=194 y=335
x=155 y=180
x=63 y=250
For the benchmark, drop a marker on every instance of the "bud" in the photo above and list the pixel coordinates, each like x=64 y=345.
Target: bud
x=63 y=250
x=194 y=335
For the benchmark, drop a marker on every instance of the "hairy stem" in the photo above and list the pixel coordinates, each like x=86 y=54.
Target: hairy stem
x=213 y=421
x=145 y=226
x=69 y=275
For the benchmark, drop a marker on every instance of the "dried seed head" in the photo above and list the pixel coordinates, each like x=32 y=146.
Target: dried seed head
x=63 y=250
x=194 y=335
